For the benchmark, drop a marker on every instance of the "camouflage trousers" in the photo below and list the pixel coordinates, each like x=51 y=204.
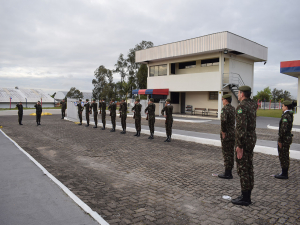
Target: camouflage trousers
x=168 y=125
x=245 y=168
x=63 y=113
x=123 y=121
x=80 y=116
x=151 y=122
x=138 y=123
x=87 y=117
x=113 y=121
x=38 y=117
x=284 y=155
x=20 y=116
x=103 y=115
x=228 y=154
x=96 y=117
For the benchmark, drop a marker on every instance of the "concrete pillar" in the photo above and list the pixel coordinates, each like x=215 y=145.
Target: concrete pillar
x=221 y=71
x=297 y=116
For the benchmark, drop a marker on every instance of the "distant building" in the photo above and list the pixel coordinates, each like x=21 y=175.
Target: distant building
x=200 y=70
x=60 y=95
x=29 y=96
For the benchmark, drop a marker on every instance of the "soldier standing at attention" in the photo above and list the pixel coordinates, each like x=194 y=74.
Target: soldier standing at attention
x=169 y=119
x=102 y=106
x=63 y=109
x=245 y=139
x=150 y=110
x=20 y=112
x=137 y=111
x=80 y=109
x=112 y=108
x=123 y=114
x=285 y=138
x=227 y=135
x=87 y=112
x=95 y=111
x=38 y=112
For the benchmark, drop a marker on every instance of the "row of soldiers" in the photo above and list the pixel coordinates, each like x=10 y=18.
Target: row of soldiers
x=238 y=137
x=167 y=112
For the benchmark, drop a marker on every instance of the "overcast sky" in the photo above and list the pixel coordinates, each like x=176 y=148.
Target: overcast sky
x=55 y=45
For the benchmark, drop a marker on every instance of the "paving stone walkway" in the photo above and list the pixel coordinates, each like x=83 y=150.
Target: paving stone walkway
x=130 y=180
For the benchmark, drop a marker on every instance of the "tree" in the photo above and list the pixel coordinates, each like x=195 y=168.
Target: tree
x=263 y=95
x=141 y=76
x=103 y=84
x=74 y=93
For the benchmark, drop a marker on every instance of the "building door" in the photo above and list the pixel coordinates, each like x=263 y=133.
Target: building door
x=182 y=102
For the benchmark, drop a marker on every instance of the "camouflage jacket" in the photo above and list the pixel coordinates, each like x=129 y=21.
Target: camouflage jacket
x=228 y=122
x=245 y=123
x=94 y=107
x=169 y=111
x=123 y=108
x=63 y=105
x=151 y=110
x=112 y=108
x=80 y=108
x=285 y=127
x=38 y=108
x=137 y=108
x=87 y=108
x=20 y=108
x=102 y=106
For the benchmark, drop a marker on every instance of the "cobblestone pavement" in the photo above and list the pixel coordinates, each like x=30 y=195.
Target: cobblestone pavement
x=263 y=134
x=131 y=180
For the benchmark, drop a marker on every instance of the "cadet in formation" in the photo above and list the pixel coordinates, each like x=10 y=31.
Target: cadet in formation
x=112 y=108
x=227 y=135
x=123 y=115
x=20 y=112
x=95 y=111
x=80 y=109
x=38 y=112
x=285 y=138
x=169 y=118
x=137 y=116
x=87 y=112
x=102 y=107
x=150 y=111
x=245 y=139
x=63 y=108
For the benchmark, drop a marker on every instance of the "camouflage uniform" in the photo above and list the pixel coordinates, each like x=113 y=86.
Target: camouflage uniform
x=123 y=114
x=63 y=109
x=87 y=112
x=137 y=109
x=228 y=127
x=20 y=113
x=151 y=116
x=38 y=111
x=245 y=138
x=102 y=106
x=169 y=119
x=80 y=109
x=112 y=107
x=95 y=111
x=285 y=138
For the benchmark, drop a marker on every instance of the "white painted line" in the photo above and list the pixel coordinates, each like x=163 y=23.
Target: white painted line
x=78 y=201
x=277 y=128
x=258 y=148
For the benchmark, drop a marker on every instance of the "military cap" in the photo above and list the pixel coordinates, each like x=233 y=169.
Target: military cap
x=112 y=99
x=80 y=99
x=38 y=101
x=87 y=100
x=245 y=88
x=123 y=99
x=151 y=99
x=287 y=102
x=168 y=100
x=93 y=99
x=137 y=99
x=226 y=96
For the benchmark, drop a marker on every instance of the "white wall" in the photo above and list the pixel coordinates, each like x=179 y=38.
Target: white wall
x=297 y=116
x=200 y=99
x=243 y=67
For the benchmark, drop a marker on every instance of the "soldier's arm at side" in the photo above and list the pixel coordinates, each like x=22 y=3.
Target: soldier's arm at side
x=283 y=128
x=241 y=126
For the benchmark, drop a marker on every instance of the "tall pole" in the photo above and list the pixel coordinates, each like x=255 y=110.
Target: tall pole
x=10 y=102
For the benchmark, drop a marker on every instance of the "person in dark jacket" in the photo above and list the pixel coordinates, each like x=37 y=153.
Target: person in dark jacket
x=94 y=107
x=87 y=112
x=38 y=112
x=137 y=116
x=150 y=111
x=80 y=109
x=112 y=108
x=102 y=107
x=169 y=119
x=20 y=112
x=63 y=108
x=123 y=115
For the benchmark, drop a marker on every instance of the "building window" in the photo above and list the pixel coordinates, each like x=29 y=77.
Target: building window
x=210 y=62
x=160 y=70
x=213 y=95
x=187 y=65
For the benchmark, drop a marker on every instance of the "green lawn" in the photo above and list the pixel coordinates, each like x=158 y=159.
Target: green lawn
x=269 y=113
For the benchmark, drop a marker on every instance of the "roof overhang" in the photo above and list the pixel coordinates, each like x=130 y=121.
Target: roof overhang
x=291 y=68
x=151 y=91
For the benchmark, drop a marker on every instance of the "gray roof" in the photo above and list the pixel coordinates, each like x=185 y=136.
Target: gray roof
x=61 y=95
x=21 y=94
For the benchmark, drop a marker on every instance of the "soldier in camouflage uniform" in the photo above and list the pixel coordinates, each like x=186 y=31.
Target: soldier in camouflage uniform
x=95 y=111
x=38 y=111
x=112 y=108
x=63 y=108
x=285 y=138
x=169 y=119
x=87 y=112
x=137 y=113
x=150 y=110
x=245 y=139
x=80 y=109
x=227 y=135
x=102 y=106
x=123 y=114
x=20 y=112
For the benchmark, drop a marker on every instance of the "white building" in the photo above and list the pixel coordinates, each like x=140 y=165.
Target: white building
x=192 y=73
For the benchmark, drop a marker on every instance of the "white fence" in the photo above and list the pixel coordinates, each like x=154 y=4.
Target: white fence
x=72 y=112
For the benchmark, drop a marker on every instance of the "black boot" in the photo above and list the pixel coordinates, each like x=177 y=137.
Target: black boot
x=226 y=175
x=95 y=126
x=112 y=130
x=87 y=125
x=123 y=132
x=283 y=174
x=169 y=139
x=136 y=134
x=244 y=199
x=103 y=128
x=166 y=139
x=80 y=124
x=139 y=133
x=37 y=123
x=150 y=137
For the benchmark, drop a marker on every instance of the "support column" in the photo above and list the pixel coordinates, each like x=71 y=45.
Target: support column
x=297 y=116
x=221 y=70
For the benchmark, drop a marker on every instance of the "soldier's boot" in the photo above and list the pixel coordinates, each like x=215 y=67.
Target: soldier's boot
x=87 y=125
x=37 y=123
x=112 y=130
x=283 y=174
x=150 y=137
x=244 y=199
x=226 y=175
x=166 y=139
x=103 y=128
x=137 y=133
x=169 y=140
x=80 y=124
x=95 y=126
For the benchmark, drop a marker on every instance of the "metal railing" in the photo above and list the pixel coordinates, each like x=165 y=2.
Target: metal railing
x=233 y=79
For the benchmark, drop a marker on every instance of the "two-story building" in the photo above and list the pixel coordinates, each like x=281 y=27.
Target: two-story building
x=199 y=71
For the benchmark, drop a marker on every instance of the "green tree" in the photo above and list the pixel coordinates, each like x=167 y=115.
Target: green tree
x=74 y=93
x=265 y=94
x=103 y=83
x=141 y=76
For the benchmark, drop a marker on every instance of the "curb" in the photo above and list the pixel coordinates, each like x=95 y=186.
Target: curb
x=277 y=128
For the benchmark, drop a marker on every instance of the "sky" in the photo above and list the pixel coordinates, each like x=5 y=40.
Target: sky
x=55 y=45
